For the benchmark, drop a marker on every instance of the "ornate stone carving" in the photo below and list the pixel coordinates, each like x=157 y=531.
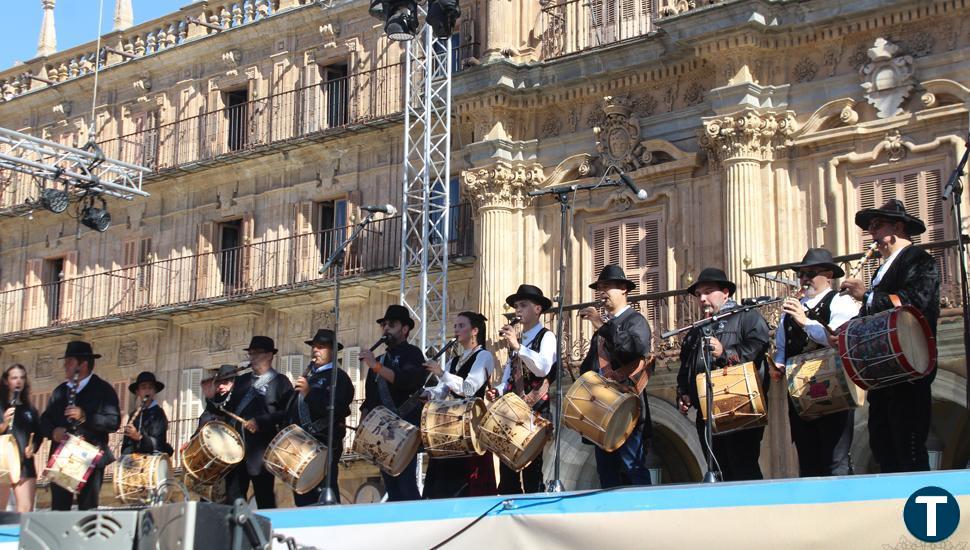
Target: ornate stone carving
x=848 y=115
x=44 y=367
x=859 y=57
x=143 y=83
x=894 y=146
x=804 y=71
x=232 y=58
x=128 y=352
x=694 y=94
x=321 y=318
x=552 y=126
x=219 y=340
x=645 y=105
x=63 y=108
x=887 y=78
x=330 y=31
x=504 y=184
x=748 y=134
x=618 y=139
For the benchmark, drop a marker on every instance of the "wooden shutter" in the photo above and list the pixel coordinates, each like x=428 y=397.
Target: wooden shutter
x=205 y=259
x=637 y=245
x=292 y=366
x=246 y=256
x=145 y=268
x=350 y=363
x=190 y=406
x=33 y=299
x=69 y=288
x=124 y=398
x=305 y=241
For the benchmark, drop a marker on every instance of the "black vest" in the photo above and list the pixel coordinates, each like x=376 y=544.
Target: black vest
x=796 y=339
x=532 y=382
x=463 y=372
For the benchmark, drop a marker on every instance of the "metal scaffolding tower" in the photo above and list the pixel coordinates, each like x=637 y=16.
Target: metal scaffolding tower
x=427 y=166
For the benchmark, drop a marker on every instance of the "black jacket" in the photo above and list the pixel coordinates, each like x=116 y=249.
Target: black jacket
x=152 y=424
x=99 y=402
x=744 y=337
x=406 y=361
x=267 y=408
x=26 y=421
x=915 y=278
x=626 y=340
x=317 y=402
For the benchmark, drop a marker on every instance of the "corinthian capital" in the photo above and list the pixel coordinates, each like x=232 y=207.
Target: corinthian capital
x=747 y=135
x=503 y=184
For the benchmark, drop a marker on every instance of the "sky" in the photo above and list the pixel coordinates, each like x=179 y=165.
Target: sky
x=74 y=20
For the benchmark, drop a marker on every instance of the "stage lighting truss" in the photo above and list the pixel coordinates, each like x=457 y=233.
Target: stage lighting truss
x=84 y=171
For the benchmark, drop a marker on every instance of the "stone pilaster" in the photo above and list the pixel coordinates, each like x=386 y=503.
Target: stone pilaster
x=499 y=195
x=740 y=145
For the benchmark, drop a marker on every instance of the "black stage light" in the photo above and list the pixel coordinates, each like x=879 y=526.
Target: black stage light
x=442 y=16
x=96 y=218
x=376 y=9
x=402 y=19
x=55 y=200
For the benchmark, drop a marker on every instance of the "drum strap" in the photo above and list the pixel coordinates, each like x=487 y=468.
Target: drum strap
x=636 y=374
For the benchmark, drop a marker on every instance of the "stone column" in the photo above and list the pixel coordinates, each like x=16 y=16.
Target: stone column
x=498 y=193
x=740 y=145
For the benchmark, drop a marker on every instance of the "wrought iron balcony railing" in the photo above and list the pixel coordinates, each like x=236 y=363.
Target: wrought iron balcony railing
x=203 y=279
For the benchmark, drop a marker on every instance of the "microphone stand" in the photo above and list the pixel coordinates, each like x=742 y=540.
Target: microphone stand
x=954 y=192
x=563 y=194
x=336 y=259
x=707 y=333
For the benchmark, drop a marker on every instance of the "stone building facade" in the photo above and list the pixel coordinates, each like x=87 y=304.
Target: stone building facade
x=756 y=127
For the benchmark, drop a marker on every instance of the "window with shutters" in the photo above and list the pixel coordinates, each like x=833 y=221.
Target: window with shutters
x=137 y=272
x=191 y=403
x=638 y=246
x=333 y=85
x=919 y=189
x=292 y=366
x=350 y=363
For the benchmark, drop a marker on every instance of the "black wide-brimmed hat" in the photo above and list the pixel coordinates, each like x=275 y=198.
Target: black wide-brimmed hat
x=80 y=350
x=146 y=376
x=533 y=294
x=822 y=258
x=713 y=275
x=262 y=342
x=397 y=313
x=324 y=337
x=223 y=372
x=892 y=210
x=614 y=274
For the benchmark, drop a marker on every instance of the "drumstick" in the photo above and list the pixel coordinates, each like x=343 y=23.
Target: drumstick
x=234 y=417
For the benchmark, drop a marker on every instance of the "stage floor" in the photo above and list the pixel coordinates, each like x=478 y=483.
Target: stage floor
x=856 y=512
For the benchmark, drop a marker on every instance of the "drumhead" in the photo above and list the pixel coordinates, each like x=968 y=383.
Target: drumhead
x=313 y=473
x=913 y=340
x=223 y=442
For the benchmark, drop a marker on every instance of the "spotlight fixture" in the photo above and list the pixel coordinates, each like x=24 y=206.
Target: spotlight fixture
x=376 y=9
x=96 y=218
x=402 y=19
x=55 y=200
x=442 y=16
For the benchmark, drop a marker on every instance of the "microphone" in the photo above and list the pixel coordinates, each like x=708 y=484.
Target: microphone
x=640 y=193
x=384 y=208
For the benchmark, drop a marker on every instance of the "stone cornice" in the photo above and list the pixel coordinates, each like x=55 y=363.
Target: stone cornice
x=503 y=184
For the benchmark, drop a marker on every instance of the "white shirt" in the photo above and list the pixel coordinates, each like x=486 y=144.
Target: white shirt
x=842 y=308
x=881 y=272
x=610 y=316
x=318 y=370
x=81 y=384
x=539 y=363
x=466 y=387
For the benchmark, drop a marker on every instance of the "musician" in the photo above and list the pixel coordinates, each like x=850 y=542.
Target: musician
x=311 y=401
x=899 y=415
x=261 y=397
x=620 y=346
x=148 y=433
x=392 y=378
x=737 y=339
x=93 y=416
x=21 y=420
x=822 y=443
x=466 y=377
x=530 y=369
x=217 y=389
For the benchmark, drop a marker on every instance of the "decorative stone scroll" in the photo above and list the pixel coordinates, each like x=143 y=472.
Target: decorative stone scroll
x=887 y=78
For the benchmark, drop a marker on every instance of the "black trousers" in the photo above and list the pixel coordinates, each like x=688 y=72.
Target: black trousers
x=446 y=478
x=899 y=423
x=736 y=453
x=529 y=480
x=314 y=495
x=239 y=479
x=823 y=443
x=87 y=498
